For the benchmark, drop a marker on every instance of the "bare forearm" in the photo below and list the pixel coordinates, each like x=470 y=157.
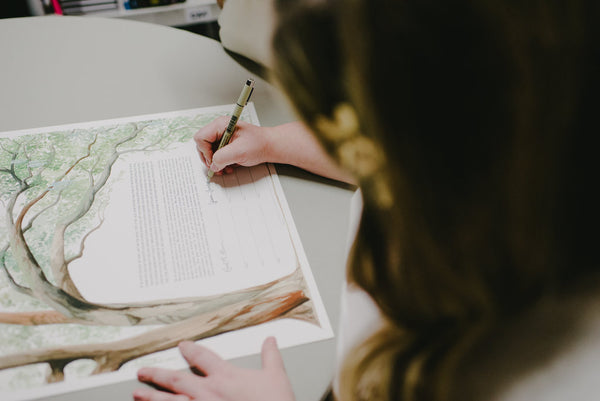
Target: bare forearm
x=294 y=144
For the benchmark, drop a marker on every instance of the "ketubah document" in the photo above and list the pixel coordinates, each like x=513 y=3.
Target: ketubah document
x=114 y=247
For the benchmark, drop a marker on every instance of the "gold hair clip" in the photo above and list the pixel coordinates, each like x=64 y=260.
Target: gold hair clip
x=355 y=152
x=343 y=126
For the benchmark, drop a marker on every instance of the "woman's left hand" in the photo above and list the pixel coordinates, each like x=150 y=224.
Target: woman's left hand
x=222 y=381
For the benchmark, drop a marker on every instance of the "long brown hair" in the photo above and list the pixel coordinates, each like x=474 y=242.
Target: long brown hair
x=483 y=113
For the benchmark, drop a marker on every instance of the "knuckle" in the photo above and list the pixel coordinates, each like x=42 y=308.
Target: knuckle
x=173 y=380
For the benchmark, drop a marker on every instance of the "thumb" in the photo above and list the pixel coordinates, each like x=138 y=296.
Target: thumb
x=271 y=357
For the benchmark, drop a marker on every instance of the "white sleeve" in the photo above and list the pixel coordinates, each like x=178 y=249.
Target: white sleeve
x=359 y=315
x=246 y=28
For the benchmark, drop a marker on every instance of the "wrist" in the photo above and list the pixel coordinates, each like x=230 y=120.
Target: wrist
x=271 y=148
x=279 y=140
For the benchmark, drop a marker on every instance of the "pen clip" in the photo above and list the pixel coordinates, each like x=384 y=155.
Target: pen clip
x=250 y=95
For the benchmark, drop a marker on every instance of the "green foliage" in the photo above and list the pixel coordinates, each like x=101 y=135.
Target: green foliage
x=56 y=167
x=69 y=164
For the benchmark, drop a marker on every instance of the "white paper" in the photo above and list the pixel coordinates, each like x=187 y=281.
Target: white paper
x=164 y=233
x=173 y=234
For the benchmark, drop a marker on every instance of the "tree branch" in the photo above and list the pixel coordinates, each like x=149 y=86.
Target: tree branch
x=38 y=214
x=34 y=318
x=111 y=356
x=11 y=280
x=82 y=243
x=11 y=171
x=153 y=313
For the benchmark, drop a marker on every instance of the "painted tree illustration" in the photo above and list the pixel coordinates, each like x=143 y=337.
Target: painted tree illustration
x=54 y=189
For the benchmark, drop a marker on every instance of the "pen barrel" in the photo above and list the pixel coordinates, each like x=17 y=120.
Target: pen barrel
x=246 y=92
x=235 y=116
x=226 y=136
x=237 y=112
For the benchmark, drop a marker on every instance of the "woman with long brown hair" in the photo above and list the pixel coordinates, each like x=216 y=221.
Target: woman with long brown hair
x=470 y=127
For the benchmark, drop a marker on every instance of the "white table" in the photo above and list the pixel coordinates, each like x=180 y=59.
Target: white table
x=59 y=70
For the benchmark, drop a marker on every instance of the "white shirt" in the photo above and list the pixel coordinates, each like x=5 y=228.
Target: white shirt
x=552 y=353
x=359 y=315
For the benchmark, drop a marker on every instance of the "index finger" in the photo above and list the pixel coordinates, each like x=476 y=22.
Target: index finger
x=208 y=136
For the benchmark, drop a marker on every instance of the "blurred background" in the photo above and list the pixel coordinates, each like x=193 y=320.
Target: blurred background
x=198 y=16
x=14 y=8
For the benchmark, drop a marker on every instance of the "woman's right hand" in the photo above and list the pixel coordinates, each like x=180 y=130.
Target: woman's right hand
x=291 y=143
x=248 y=146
